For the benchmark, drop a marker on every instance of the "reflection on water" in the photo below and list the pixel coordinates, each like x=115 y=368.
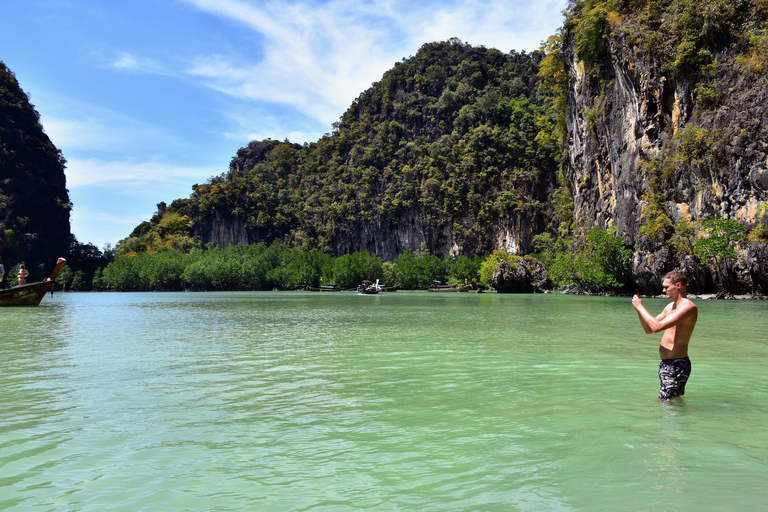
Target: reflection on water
x=406 y=401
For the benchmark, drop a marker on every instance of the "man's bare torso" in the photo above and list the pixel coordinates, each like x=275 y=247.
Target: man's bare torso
x=674 y=342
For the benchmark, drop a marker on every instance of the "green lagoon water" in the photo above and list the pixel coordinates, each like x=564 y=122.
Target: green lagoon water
x=291 y=401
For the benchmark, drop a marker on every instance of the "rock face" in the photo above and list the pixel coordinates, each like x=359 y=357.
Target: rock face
x=225 y=230
x=632 y=127
x=522 y=276
x=390 y=237
x=34 y=202
x=441 y=154
x=386 y=236
x=418 y=162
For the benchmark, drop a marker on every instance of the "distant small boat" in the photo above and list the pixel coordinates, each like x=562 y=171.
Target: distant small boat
x=324 y=288
x=368 y=288
x=442 y=288
x=437 y=286
x=30 y=294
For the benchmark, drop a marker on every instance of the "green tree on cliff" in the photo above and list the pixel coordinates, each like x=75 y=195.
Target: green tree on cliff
x=718 y=246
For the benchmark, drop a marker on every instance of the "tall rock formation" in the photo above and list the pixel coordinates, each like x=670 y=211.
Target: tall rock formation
x=34 y=202
x=441 y=154
x=667 y=121
x=647 y=119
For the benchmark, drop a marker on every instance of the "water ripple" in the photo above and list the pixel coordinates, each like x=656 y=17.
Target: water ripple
x=278 y=401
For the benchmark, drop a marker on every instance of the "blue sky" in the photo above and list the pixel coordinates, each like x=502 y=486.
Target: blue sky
x=147 y=97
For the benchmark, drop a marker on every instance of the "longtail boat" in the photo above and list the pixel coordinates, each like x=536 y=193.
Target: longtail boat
x=30 y=294
x=368 y=288
x=323 y=288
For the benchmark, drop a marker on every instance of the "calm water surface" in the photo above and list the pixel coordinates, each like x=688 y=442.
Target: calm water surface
x=403 y=401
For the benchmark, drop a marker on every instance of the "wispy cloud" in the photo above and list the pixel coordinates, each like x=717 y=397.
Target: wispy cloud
x=76 y=126
x=129 y=62
x=502 y=24
x=146 y=100
x=277 y=125
x=113 y=197
x=319 y=56
x=137 y=175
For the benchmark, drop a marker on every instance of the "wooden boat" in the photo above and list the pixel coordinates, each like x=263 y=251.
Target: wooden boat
x=438 y=286
x=449 y=288
x=324 y=288
x=368 y=288
x=442 y=288
x=30 y=294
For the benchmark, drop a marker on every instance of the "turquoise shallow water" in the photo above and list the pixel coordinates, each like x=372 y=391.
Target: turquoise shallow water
x=406 y=401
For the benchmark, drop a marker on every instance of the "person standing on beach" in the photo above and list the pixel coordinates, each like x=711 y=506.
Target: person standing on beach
x=677 y=321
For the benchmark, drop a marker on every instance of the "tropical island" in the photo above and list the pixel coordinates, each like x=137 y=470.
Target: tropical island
x=633 y=142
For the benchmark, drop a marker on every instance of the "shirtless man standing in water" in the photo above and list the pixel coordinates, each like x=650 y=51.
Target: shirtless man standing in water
x=677 y=321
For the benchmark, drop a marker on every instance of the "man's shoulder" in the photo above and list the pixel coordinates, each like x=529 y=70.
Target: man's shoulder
x=688 y=307
x=685 y=304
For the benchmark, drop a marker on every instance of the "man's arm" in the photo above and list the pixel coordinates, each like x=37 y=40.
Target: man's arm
x=663 y=321
x=646 y=319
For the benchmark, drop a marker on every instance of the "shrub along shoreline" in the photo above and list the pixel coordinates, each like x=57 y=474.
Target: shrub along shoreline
x=602 y=266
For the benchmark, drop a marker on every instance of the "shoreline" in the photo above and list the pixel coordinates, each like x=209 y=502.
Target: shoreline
x=692 y=296
x=696 y=296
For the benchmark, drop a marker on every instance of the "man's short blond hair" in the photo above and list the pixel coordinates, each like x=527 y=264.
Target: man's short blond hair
x=677 y=276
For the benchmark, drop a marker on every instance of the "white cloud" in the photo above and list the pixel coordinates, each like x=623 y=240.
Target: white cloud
x=79 y=127
x=319 y=56
x=297 y=129
x=103 y=222
x=129 y=62
x=137 y=175
x=502 y=24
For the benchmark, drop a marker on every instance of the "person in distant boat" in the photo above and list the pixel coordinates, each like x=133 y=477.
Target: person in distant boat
x=23 y=274
x=2 y=275
x=677 y=321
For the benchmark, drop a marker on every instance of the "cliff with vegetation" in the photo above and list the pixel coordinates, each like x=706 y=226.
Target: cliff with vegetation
x=633 y=143
x=441 y=154
x=666 y=125
x=34 y=202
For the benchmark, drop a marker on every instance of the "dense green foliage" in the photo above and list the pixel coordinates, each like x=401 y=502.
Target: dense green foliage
x=491 y=263
x=603 y=264
x=456 y=133
x=257 y=267
x=683 y=35
x=722 y=237
x=34 y=202
x=464 y=139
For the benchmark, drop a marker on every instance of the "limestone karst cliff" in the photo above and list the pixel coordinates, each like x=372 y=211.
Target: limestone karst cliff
x=646 y=119
x=442 y=153
x=34 y=202
x=667 y=123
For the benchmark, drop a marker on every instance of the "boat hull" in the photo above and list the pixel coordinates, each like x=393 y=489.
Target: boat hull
x=25 y=295
x=30 y=294
x=447 y=288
